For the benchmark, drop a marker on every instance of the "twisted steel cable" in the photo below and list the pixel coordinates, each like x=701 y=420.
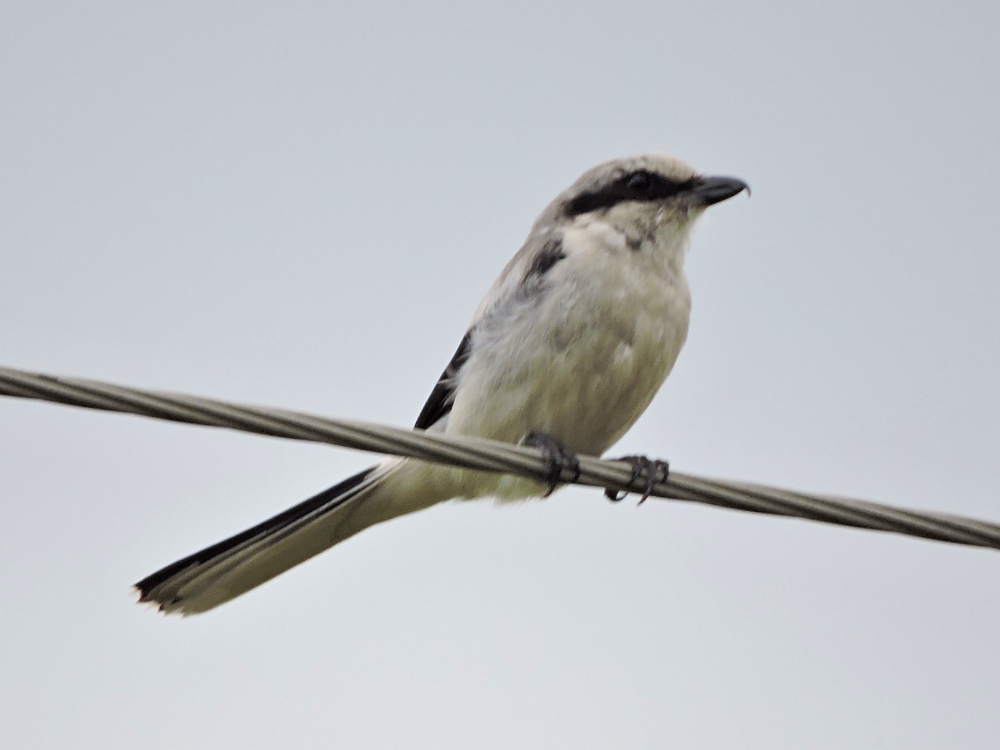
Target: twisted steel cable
x=491 y=455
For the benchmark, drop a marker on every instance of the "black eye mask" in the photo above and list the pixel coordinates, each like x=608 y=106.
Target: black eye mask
x=641 y=185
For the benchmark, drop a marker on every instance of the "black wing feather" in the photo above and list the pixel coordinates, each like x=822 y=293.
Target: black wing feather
x=443 y=395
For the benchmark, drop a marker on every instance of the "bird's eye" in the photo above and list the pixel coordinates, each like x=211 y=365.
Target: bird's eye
x=638 y=183
x=640 y=186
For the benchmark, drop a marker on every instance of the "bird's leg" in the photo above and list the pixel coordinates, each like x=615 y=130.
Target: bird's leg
x=642 y=467
x=557 y=457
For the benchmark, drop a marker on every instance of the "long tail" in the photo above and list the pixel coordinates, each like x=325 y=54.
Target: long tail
x=232 y=567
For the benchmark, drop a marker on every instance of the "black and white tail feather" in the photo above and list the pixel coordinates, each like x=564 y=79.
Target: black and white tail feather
x=571 y=343
x=221 y=572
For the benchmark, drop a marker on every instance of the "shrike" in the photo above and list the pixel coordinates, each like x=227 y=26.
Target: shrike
x=565 y=352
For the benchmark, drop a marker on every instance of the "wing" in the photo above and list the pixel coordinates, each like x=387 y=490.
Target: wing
x=518 y=280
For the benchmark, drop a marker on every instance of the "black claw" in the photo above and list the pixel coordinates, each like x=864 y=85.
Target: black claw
x=638 y=465
x=642 y=467
x=557 y=457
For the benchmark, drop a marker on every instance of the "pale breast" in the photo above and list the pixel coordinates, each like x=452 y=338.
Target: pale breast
x=582 y=360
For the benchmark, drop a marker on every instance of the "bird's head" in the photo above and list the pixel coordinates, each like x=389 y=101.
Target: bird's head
x=652 y=196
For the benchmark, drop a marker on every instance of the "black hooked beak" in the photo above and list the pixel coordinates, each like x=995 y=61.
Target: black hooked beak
x=710 y=190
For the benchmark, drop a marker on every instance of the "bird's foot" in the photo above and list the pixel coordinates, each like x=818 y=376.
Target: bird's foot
x=557 y=458
x=643 y=468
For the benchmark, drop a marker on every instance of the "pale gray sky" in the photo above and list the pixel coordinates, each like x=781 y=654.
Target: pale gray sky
x=301 y=205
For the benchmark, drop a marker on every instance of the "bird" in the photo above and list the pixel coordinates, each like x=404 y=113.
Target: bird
x=566 y=350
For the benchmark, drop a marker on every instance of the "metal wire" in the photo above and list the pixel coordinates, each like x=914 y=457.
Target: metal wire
x=491 y=455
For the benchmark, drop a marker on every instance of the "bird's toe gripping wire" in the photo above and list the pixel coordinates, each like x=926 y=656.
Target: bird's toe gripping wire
x=557 y=458
x=645 y=470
